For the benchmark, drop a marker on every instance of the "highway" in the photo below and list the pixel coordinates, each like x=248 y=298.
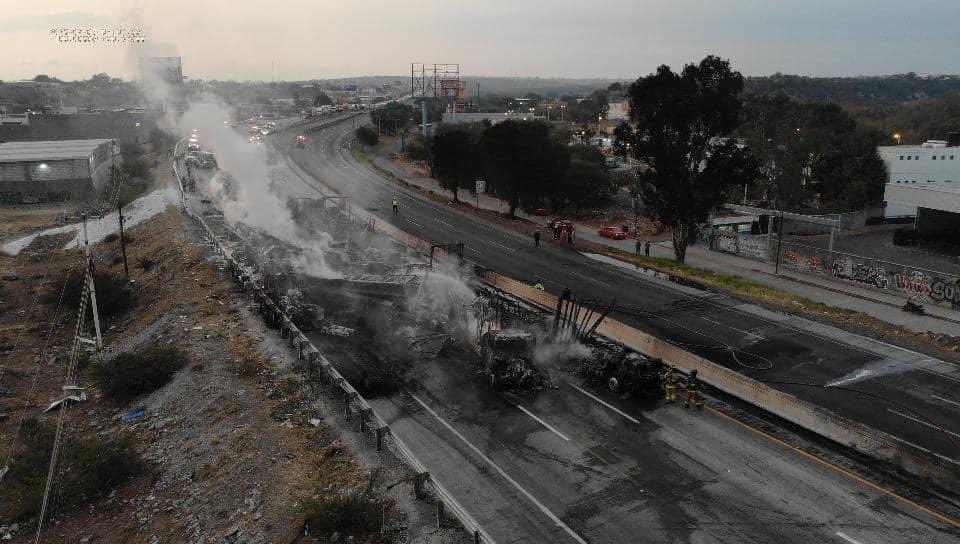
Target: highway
x=573 y=465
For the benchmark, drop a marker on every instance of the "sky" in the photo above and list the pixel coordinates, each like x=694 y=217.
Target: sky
x=625 y=39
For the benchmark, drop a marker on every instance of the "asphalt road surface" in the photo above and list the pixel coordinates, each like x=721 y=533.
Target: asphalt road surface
x=572 y=465
x=907 y=394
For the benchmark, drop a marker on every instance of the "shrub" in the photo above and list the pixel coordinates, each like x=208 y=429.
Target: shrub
x=89 y=468
x=113 y=291
x=367 y=136
x=146 y=263
x=129 y=375
x=355 y=514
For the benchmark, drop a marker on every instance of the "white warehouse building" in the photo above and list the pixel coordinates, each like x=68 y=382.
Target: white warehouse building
x=921 y=176
x=924 y=183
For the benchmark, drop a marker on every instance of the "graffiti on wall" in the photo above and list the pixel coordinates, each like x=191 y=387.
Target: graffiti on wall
x=745 y=245
x=860 y=273
x=938 y=288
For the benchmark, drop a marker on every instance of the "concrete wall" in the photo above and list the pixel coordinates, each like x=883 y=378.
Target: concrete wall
x=907 y=281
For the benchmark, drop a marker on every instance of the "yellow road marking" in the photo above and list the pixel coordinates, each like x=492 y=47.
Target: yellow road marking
x=877 y=487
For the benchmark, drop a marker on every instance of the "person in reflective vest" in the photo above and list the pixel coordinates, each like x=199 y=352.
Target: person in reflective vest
x=396 y=205
x=670 y=385
x=539 y=286
x=693 y=391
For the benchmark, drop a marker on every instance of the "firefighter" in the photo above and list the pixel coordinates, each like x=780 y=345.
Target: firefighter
x=670 y=384
x=396 y=205
x=693 y=391
x=536 y=238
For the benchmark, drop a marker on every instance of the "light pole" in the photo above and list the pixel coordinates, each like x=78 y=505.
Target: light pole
x=897 y=138
x=599 y=118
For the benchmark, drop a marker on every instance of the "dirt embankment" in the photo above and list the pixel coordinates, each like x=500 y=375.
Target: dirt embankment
x=232 y=449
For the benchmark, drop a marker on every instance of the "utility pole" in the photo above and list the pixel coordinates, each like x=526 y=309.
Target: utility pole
x=123 y=241
x=93 y=292
x=776 y=268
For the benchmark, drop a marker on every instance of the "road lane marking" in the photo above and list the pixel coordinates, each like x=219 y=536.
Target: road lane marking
x=953 y=522
x=946 y=400
x=611 y=407
x=501 y=245
x=922 y=422
x=748 y=333
x=939 y=375
x=444 y=223
x=412 y=222
x=588 y=278
x=544 y=423
x=506 y=476
x=847 y=538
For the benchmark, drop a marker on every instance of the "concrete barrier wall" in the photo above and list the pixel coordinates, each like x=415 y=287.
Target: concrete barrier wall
x=848 y=433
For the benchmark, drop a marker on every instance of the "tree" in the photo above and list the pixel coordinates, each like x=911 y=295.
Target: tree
x=814 y=155
x=586 y=182
x=456 y=162
x=392 y=116
x=322 y=99
x=683 y=119
x=523 y=162
x=367 y=136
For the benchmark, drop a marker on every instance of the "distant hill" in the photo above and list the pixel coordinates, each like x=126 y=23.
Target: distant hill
x=854 y=91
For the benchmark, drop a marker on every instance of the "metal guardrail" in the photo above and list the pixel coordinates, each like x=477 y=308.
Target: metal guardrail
x=369 y=420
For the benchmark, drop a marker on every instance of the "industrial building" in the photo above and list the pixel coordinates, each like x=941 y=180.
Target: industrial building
x=54 y=171
x=924 y=182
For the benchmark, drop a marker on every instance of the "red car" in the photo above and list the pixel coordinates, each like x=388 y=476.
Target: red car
x=617 y=233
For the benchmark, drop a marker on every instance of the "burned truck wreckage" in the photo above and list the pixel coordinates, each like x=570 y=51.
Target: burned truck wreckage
x=380 y=309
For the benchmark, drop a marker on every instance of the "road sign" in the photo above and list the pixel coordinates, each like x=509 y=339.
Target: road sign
x=481 y=186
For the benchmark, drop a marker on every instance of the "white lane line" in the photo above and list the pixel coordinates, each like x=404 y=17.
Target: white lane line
x=544 y=423
x=471 y=249
x=922 y=422
x=748 y=333
x=500 y=245
x=946 y=400
x=444 y=223
x=614 y=408
x=413 y=222
x=939 y=375
x=506 y=476
x=588 y=278
x=847 y=538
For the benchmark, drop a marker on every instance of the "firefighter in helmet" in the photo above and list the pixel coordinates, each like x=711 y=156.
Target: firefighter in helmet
x=670 y=385
x=693 y=391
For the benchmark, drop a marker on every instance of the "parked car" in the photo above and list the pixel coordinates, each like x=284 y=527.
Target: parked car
x=540 y=211
x=557 y=222
x=610 y=231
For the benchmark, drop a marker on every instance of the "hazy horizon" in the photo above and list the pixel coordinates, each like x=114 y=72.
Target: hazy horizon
x=614 y=39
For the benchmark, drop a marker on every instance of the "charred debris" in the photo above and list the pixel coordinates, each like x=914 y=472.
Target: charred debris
x=380 y=310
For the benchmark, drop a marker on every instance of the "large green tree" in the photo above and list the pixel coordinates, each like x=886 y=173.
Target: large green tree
x=683 y=121
x=455 y=159
x=523 y=161
x=393 y=117
x=815 y=156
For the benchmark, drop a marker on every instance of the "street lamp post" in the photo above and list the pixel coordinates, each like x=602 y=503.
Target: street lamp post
x=897 y=138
